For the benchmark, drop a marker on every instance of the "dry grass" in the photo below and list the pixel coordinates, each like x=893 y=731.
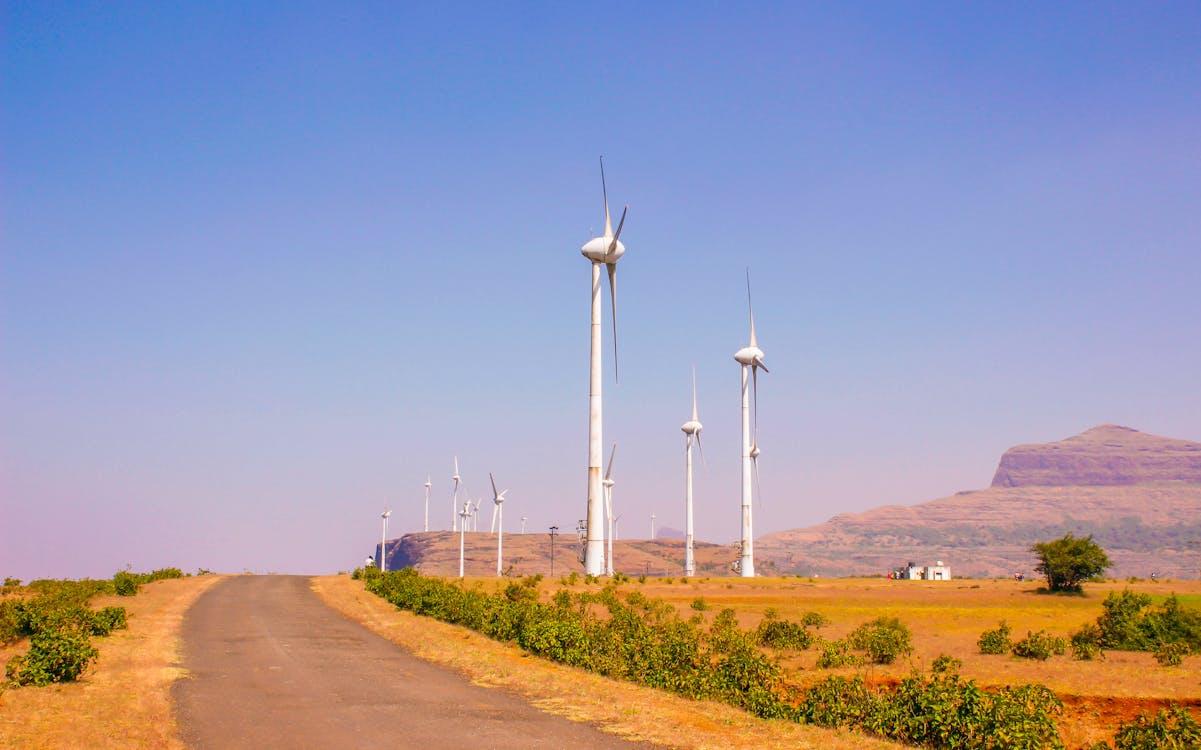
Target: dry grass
x=619 y=707
x=948 y=618
x=123 y=700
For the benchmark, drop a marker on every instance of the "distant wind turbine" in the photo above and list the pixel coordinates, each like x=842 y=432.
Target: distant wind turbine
x=427 y=503
x=383 y=549
x=498 y=499
x=750 y=357
x=608 y=485
x=652 y=527
x=454 y=501
x=692 y=431
x=607 y=250
x=523 y=520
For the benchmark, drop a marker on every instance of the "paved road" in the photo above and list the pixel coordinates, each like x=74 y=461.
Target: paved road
x=274 y=667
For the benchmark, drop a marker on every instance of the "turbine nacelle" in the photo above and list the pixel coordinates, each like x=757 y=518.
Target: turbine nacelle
x=603 y=250
x=691 y=427
x=750 y=356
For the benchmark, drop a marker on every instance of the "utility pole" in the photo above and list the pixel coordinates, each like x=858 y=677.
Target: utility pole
x=554 y=530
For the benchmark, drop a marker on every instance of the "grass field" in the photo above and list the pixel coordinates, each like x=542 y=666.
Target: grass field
x=123 y=700
x=948 y=618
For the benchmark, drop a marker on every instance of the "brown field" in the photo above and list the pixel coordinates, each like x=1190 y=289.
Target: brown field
x=123 y=700
x=945 y=617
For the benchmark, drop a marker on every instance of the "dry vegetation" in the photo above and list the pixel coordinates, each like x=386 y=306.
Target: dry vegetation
x=622 y=708
x=945 y=617
x=123 y=701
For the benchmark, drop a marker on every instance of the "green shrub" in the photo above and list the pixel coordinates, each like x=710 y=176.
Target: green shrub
x=1039 y=645
x=837 y=654
x=814 y=620
x=105 y=621
x=884 y=639
x=996 y=641
x=783 y=634
x=700 y=605
x=54 y=656
x=589 y=578
x=945 y=663
x=125 y=583
x=1131 y=623
x=1172 y=727
x=1171 y=654
x=1086 y=643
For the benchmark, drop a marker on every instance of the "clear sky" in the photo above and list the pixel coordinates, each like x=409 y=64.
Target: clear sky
x=263 y=267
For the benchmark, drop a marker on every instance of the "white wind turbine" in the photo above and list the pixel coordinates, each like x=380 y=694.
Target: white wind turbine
x=454 y=501
x=523 y=520
x=750 y=357
x=427 y=502
x=652 y=527
x=692 y=431
x=464 y=514
x=383 y=550
x=609 y=523
x=606 y=250
x=498 y=516
x=475 y=514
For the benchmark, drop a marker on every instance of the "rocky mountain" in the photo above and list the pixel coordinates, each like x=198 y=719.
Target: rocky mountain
x=1139 y=495
x=1105 y=456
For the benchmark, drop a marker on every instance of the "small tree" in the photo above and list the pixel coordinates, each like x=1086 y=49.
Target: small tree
x=1069 y=561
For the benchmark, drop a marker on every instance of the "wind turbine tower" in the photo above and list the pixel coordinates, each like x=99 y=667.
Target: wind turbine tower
x=383 y=550
x=750 y=357
x=498 y=499
x=606 y=250
x=608 y=485
x=692 y=431
x=427 y=503
x=464 y=514
x=454 y=500
x=652 y=527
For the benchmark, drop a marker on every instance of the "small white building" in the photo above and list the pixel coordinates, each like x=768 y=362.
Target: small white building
x=936 y=572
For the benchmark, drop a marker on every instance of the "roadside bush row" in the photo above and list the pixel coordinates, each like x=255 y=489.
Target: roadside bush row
x=59 y=623
x=1129 y=622
x=646 y=641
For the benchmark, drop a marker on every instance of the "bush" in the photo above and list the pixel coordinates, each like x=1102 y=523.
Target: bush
x=1086 y=643
x=1131 y=623
x=944 y=663
x=1040 y=645
x=884 y=639
x=700 y=605
x=1170 y=728
x=54 y=656
x=1171 y=654
x=837 y=654
x=996 y=641
x=783 y=634
x=125 y=583
x=814 y=620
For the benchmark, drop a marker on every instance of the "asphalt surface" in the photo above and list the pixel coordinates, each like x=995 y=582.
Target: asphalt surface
x=274 y=667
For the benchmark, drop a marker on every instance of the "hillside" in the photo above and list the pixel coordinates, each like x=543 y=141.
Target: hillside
x=437 y=552
x=1139 y=495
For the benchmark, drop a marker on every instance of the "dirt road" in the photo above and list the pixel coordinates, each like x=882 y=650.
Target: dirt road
x=272 y=666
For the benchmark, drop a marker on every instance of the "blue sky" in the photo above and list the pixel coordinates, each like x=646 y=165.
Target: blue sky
x=263 y=267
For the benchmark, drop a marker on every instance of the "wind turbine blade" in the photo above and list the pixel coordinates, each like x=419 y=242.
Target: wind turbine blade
x=759 y=364
x=620 y=224
x=605 y=193
x=750 y=309
x=755 y=388
x=494 y=492
x=694 y=419
x=612 y=267
x=609 y=471
x=700 y=449
x=456 y=465
x=758 y=487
